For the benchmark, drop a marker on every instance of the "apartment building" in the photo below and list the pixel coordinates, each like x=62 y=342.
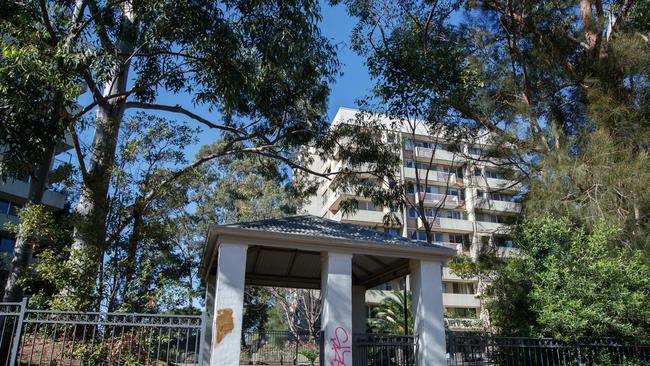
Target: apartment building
x=14 y=193
x=470 y=204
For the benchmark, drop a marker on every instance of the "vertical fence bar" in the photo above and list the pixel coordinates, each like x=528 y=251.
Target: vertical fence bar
x=17 y=335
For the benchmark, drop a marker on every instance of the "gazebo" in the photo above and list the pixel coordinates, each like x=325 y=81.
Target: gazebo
x=342 y=260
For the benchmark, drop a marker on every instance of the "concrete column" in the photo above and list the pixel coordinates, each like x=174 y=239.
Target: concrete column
x=429 y=323
x=229 y=305
x=206 y=342
x=336 y=312
x=359 y=315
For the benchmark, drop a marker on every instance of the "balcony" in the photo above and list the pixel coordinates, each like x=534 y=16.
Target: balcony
x=360 y=217
x=447 y=224
x=464 y=324
x=438 y=198
x=498 y=206
x=20 y=190
x=492 y=227
x=439 y=155
x=432 y=176
x=460 y=300
x=495 y=184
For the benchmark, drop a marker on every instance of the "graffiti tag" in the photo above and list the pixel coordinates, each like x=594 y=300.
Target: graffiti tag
x=340 y=346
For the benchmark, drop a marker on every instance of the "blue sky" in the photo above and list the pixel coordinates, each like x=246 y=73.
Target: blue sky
x=355 y=81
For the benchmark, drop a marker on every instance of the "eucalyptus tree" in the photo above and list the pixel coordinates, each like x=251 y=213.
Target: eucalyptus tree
x=259 y=70
x=561 y=87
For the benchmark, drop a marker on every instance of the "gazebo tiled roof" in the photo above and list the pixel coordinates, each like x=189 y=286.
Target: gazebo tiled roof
x=286 y=251
x=315 y=226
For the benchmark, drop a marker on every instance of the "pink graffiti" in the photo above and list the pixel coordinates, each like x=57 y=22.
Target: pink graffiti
x=339 y=346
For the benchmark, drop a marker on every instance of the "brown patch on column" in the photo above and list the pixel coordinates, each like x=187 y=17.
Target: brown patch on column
x=224 y=324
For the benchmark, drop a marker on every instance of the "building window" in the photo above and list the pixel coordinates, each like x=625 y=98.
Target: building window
x=409 y=163
x=408 y=145
x=503 y=241
x=459 y=238
x=7 y=245
x=475 y=151
x=502 y=197
x=367 y=205
x=463 y=288
x=477 y=172
x=9 y=208
x=495 y=174
x=413 y=213
x=469 y=313
x=498 y=219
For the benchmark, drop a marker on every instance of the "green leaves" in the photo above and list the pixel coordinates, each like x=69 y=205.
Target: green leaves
x=570 y=283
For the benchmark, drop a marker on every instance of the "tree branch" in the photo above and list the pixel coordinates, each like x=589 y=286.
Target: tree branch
x=181 y=110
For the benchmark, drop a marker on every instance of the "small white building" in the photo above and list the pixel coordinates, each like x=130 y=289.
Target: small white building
x=342 y=260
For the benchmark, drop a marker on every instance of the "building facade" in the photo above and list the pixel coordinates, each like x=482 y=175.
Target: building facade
x=470 y=204
x=14 y=194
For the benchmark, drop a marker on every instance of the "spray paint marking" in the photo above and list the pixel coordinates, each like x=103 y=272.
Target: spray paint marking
x=340 y=346
x=224 y=324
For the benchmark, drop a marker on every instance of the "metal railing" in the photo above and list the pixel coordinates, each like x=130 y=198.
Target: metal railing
x=278 y=347
x=384 y=350
x=487 y=350
x=47 y=337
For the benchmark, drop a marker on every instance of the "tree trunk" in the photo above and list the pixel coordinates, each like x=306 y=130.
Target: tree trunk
x=24 y=247
x=91 y=211
x=129 y=266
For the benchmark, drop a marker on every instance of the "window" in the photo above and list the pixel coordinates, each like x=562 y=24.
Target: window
x=502 y=197
x=477 y=172
x=489 y=173
x=413 y=213
x=458 y=238
x=367 y=205
x=459 y=288
x=475 y=150
x=9 y=208
x=503 y=241
x=422 y=235
x=4 y=206
x=408 y=145
x=499 y=219
x=7 y=245
x=462 y=312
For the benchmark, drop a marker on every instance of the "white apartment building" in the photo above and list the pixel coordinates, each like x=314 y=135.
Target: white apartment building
x=13 y=195
x=479 y=203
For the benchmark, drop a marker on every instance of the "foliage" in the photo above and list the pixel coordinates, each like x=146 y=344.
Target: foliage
x=260 y=69
x=560 y=88
x=310 y=354
x=569 y=282
x=388 y=317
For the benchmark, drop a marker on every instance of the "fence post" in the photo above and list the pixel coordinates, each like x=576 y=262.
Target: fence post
x=452 y=348
x=202 y=335
x=579 y=353
x=17 y=335
x=295 y=356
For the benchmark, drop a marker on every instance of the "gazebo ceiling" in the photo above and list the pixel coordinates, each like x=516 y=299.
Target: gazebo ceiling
x=270 y=266
x=286 y=252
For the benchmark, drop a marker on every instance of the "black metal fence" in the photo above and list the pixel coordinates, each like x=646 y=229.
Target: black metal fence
x=279 y=348
x=487 y=350
x=46 y=337
x=384 y=350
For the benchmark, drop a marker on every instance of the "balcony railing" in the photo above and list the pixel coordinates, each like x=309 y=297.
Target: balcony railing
x=437 y=198
x=463 y=323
